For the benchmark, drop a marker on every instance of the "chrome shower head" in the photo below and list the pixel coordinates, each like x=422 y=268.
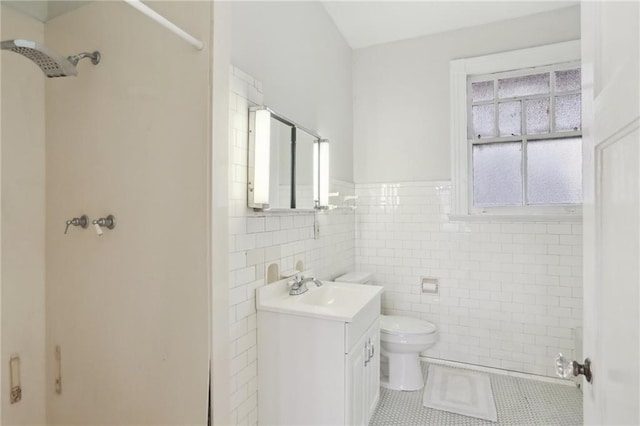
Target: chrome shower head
x=50 y=62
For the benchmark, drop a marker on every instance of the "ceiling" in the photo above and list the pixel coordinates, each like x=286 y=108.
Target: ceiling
x=44 y=10
x=367 y=23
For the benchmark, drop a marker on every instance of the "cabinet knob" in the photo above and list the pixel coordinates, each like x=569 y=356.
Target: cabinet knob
x=367 y=349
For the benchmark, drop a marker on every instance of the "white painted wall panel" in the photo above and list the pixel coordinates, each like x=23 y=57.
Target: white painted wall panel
x=23 y=222
x=304 y=65
x=401 y=93
x=257 y=240
x=129 y=137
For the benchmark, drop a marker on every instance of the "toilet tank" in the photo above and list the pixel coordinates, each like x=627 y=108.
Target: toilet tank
x=356 y=277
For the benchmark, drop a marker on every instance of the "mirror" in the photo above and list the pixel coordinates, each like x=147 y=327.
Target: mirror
x=286 y=164
x=291 y=167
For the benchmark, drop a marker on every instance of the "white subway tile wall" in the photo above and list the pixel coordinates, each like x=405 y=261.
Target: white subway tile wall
x=510 y=293
x=259 y=239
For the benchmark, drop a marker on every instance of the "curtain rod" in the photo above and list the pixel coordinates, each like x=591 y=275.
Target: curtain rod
x=137 y=4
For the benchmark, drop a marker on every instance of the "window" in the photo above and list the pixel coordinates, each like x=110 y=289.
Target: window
x=516 y=135
x=525 y=132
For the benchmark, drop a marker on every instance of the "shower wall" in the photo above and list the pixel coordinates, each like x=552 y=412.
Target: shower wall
x=22 y=222
x=129 y=137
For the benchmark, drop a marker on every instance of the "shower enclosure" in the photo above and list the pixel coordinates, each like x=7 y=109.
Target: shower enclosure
x=110 y=329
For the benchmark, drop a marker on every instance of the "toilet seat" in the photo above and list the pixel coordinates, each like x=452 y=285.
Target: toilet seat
x=399 y=329
x=395 y=324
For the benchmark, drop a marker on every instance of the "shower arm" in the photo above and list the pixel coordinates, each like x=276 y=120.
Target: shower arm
x=95 y=58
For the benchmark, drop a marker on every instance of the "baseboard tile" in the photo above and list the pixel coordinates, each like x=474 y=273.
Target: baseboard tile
x=499 y=371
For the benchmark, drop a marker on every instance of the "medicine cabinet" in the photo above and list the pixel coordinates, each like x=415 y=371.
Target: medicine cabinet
x=288 y=164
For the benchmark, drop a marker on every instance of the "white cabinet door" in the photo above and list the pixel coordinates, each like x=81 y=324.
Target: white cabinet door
x=363 y=377
x=372 y=371
x=356 y=413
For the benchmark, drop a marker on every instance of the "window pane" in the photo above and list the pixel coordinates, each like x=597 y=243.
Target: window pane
x=483 y=121
x=567 y=80
x=482 y=91
x=497 y=174
x=537 y=116
x=554 y=171
x=523 y=86
x=510 y=118
x=568 y=113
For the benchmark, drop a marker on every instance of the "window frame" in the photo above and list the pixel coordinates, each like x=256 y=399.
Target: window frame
x=524 y=62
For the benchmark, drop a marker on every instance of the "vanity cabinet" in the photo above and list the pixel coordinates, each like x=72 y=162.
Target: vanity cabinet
x=318 y=371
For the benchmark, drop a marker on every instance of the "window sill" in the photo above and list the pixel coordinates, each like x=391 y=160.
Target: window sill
x=514 y=218
x=576 y=218
x=277 y=210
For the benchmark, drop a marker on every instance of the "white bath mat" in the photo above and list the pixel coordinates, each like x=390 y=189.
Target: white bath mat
x=460 y=391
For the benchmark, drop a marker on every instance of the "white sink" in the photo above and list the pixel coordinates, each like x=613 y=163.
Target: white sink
x=329 y=296
x=333 y=300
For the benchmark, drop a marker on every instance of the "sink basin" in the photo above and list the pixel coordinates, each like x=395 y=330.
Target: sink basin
x=329 y=296
x=333 y=300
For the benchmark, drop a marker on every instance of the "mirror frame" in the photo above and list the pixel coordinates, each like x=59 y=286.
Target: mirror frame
x=258 y=177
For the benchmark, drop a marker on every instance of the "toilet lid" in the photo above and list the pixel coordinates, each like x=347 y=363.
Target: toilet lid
x=361 y=277
x=395 y=324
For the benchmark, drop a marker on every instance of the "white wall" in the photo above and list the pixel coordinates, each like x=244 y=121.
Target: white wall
x=23 y=221
x=130 y=137
x=219 y=251
x=257 y=240
x=401 y=93
x=297 y=53
x=296 y=62
x=510 y=293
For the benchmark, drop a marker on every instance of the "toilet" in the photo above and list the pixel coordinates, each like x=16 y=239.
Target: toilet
x=401 y=341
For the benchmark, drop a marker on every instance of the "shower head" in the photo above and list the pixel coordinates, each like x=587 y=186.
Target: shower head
x=50 y=62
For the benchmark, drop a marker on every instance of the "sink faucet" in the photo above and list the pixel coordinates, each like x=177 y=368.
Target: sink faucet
x=299 y=284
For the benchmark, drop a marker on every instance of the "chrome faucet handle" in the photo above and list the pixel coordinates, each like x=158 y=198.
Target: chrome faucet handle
x=82 y=221
x=316 y=281
x=295 y=280
x=108 y=222
x=298 y=286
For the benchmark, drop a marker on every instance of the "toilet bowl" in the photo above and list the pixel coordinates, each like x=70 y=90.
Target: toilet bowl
x=401 y=341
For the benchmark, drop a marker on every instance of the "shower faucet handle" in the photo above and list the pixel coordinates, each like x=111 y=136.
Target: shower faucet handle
x=82 y=221
x=108 y=222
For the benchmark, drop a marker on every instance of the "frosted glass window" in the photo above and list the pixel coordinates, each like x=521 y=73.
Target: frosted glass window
x=510 y=118
x=537 y=116
x=497 y=174
x=554 y=171
x=568 y=80
x=482 y=91
x=483 y=121
x=525 y=85
x=568 y=113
